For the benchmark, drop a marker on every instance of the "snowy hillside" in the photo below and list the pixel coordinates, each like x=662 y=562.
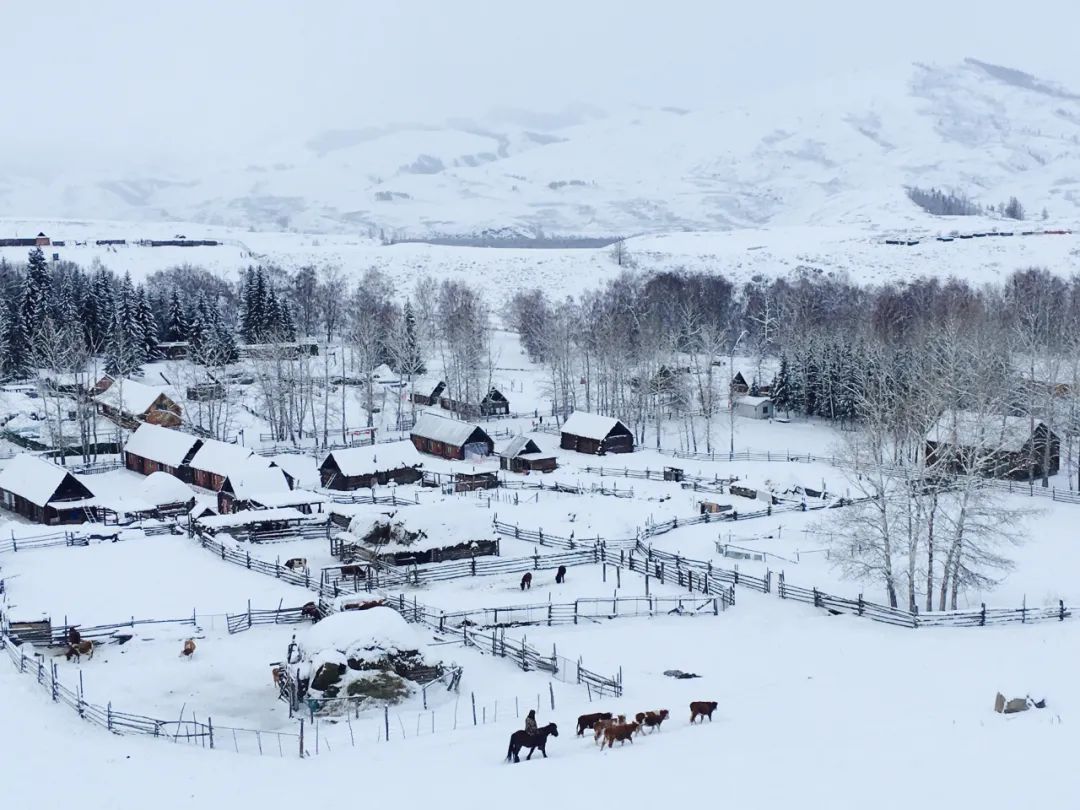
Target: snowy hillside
x=810 y=155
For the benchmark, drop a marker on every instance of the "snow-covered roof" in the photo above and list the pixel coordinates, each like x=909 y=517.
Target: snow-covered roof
x=590 y=425
x=982 y=431
x=752 y=401
x=252 y=477
x=354 y=461
x=220 y=457
x=160 y=488
x=130 y=397
x=444 y=523
x=250 y=516
x=517 y=446
x=302 y=469
x=378 y=626
x=384 y=374
x=33 y=478
x=441 y=429
x=163 y=445
x=292 y=497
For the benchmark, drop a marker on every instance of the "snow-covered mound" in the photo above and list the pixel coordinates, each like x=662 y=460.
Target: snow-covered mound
x=377 y=628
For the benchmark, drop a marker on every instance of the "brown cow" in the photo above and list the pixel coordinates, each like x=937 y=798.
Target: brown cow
x=602 y=725
x=702 y=709
x=651 y=719
x=526 y=581
x=353 y=571
x=76 y=651
x=590 y=720
x=621 y=732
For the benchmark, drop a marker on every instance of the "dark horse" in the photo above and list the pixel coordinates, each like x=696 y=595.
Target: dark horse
x=523 y=739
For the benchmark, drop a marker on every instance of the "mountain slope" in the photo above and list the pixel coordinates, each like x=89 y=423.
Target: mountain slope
x=836 y=153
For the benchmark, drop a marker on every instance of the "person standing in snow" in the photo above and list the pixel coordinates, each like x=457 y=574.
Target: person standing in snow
x=530 y=722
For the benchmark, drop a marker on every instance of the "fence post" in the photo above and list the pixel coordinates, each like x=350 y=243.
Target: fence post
x=108 y=715
x=549 y=614
x=301 y=738
x=472 y=695
x=54 y=694
x=536 y=561
x=860 y=604
x=1023 y=610
x=210 y=729
x=1061 y=610
x=982 y=615
x=247 y=560
x=780 y=586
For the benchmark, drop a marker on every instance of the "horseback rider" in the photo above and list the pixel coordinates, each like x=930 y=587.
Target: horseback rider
x=73 y=636
x=530 y=722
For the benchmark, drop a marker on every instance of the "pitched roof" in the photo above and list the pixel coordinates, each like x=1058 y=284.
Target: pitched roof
x=160 y=488
x=519 y=446
x=591 y=425
x=35 y=479
x=220 y=457
x=440 y=429
x=375 y=458
x=250 y=516
x=988 y=432
x=129 y=396
x=251 y=479
x=752 y=401
x=163 y=445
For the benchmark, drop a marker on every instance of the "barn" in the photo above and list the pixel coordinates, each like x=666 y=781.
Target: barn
x=214 y=460
x=129 y=403
x=494 y=402
x=450 y=438
x=42 y=491
x=152 y=448
x=364 y=467
x=595 y=434
x=523 y=455
x=1000 y=446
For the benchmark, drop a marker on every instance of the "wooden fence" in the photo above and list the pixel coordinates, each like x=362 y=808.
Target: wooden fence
x=520 y=652
x=191 y=731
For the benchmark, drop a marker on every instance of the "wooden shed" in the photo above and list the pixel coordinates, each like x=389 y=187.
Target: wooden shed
x=450 y=438
x=214 y=460
x=595 y=434
x=152 y=448
x=999 y=446
x=130 y=403
x=523 y=455
x=364 y=467
x=43 y=492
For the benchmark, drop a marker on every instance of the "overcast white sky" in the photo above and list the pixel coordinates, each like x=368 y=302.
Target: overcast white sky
x=116 y=81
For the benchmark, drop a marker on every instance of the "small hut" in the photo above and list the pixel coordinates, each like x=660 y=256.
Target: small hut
x=364 y=467
x=523 y=455
x=595 y=434
x=450 y=438
x=754 y=407
x=43 y=492
x=213 y=462
x=130 y=403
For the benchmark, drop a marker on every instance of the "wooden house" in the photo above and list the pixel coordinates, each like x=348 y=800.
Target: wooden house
x=595 y=434
x=994 y=445
x=129 y=403
x=523 y=455
x=364 y=467
x=494 y=402
x=449 y=438
x=214 y=460
x=754 y=407
x=43 y=492
x=152 y=448
x=258 y=485
x=739 y=385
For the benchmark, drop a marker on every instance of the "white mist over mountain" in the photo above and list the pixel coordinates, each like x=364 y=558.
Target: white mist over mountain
x=427 y=118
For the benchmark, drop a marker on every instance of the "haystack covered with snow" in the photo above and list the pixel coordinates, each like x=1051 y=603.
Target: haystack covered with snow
x=369 y=654
x=447 y=530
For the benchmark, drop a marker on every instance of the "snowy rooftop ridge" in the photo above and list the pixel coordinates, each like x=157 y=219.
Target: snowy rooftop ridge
x=442 y=429
x=590 y=425
x=354 y=461
x=33 y=478
x=163 y=445
x=130 y=396
x=221 y=458
x=975 y=430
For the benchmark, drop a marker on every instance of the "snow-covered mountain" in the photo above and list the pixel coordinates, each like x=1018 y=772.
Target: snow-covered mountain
x=836 y=153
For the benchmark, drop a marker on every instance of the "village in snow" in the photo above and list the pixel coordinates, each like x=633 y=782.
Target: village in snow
x=424 y=406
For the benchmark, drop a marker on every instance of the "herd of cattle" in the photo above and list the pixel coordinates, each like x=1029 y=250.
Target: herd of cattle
x=608 y=729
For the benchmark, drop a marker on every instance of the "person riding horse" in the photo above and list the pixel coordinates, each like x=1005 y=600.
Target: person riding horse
x=73 y=636
x=530 y=722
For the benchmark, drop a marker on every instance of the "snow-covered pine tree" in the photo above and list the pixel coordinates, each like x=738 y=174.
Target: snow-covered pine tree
x=147 y=324
x=286 y=325
x=177 y=326
x=781 y=385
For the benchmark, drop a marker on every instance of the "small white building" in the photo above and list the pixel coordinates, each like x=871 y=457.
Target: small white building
x=755 y=407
